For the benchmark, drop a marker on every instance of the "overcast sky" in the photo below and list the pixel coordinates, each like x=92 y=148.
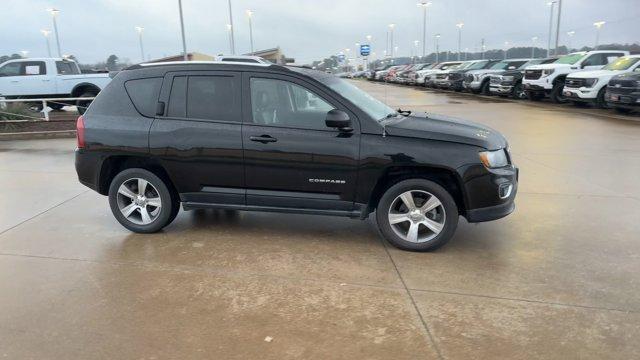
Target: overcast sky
x=304 y=29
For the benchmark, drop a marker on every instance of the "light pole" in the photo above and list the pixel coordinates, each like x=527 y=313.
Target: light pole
x=250 y=15
x=437 y=36
x=466 y=51
x=506 y=49
x=229 y=27
x=533 y=46
x=416 y=43
x=598 y=25
x=570 y=34
x=139 y=30
x=459 y=26
x=184 y=42
x=233 y=43
x=46 y=36
x=54 y=15
x=424 y=4
x=558 y=25
x=483 y=47
x=391 y=27
x=551 y=4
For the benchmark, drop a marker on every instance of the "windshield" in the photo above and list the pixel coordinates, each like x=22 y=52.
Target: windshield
x=478 y=65
x=499 y=65
x=622 y=63
x=367 y=103
x=569 y=59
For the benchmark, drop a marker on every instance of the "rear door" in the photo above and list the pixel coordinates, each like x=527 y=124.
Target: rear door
x=197 y=135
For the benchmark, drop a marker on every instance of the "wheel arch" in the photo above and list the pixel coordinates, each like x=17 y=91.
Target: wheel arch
x=447 y=178
x=113 y=165
x=81 y=88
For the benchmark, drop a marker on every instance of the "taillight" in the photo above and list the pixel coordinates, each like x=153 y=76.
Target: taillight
x=80 y=132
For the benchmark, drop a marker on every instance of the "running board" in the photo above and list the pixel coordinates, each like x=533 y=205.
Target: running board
x=357 y=214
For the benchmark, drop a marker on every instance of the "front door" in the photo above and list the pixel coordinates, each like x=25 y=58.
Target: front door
x=292 y=159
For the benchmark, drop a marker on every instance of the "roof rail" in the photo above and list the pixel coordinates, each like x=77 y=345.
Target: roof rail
x=168 y=63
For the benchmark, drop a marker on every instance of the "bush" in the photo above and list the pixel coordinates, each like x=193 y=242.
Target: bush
x=17 y=111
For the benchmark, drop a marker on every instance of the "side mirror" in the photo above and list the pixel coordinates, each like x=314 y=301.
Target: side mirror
x=338 y=119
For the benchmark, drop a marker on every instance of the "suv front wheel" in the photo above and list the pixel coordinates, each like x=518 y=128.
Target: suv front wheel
x=141 y=201
x=417 y=215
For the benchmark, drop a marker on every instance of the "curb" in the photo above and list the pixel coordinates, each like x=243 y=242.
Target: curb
x=58 y=134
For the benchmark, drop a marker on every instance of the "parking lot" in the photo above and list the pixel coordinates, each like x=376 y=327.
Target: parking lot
x=559 y=278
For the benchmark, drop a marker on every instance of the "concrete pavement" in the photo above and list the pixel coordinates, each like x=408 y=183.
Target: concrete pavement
x=557 y=279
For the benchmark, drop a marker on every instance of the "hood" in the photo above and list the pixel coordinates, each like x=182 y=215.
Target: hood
x=484 y=71
x=633 y=75
x=548 y=66
x=445 y=128
x=594 y=74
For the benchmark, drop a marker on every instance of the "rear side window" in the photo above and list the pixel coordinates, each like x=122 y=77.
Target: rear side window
x=67 y=68
x=144 y=94
x=208 y=97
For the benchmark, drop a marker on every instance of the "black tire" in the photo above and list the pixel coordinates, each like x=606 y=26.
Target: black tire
x=621 y=110
x=532 y=96
x=55 y=106
x=485 y=88
x=600 y=102
x=518 y=92
x=167 y=211
x=84 y=104
x=556 y=93
x=428 y=188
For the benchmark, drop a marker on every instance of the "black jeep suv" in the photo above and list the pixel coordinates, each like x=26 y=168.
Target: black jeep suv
x=285 y=139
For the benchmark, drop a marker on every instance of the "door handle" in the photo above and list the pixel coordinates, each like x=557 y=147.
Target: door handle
x=263 y=139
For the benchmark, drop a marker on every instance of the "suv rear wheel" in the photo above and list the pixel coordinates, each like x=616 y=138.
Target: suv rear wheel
x=141 y=201
x=417 y=215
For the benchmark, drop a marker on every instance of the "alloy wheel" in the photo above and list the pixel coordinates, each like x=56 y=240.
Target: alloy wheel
x=417 y=216
x=139 y=201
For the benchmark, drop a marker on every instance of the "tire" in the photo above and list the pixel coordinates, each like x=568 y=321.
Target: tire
x=55 y=106
x=443 y=217
x=600 y=102
x=84 y=104
x=518 y=92
x=485 y=88
x=556 y=93
x=621 y=110
x=131 y=202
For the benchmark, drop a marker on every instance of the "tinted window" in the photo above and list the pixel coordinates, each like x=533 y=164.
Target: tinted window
x=67 y=68
x=597 y=60
x=282 y=103
x=144 y=94
x=212 y=98
x=11 y=69
x=178 y=97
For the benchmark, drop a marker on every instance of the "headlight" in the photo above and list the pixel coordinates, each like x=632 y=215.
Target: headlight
x=494 y=159
x=590 y=82
x=547 y=72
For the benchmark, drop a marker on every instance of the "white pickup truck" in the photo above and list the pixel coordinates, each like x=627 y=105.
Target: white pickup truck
x=548 y=79
x=36 y=78
x=591 y=86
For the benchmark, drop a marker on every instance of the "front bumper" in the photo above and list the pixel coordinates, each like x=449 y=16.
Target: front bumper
x=501 y=89
x=492 y=195
x=473 y=85
x=541 y=84
x=580 y=94
x=628 y=101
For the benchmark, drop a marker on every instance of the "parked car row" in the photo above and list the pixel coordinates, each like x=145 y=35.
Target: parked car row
x=605 y=78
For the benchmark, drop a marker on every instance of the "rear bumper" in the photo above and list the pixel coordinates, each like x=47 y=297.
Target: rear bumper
x=88 y=166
